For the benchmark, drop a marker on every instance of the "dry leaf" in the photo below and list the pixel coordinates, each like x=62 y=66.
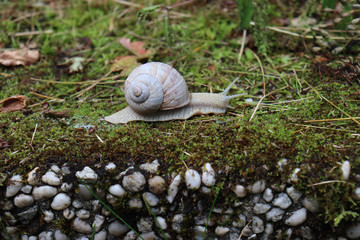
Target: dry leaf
x=13 y=103
x=125 y=64
x=22 y=56
x=135 y=47
x=3 y=144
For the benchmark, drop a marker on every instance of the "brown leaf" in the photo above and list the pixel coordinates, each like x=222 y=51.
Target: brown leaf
x=125 y=64
x=135 y=47
x=22 y=56
x=3 y=144
x=13 y=103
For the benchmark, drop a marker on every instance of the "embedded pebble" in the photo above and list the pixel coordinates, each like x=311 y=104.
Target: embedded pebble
x=282 y=200
x=100 y=235
x=257 y=225
x=26 y=216
x=84 y=193
x=173 y=188
x=117 y=190
x=294 y=194
x=135 y=203
x=134 y=182
x=221 y=231
x=81 y=226
x=61 y=201
x=44 y=192
x=282 y=163
x=51 y=178
x=268 y=195
x=208 y=175
x=14 y=186
x=26 y=189
x=161 y=223
x=150 y=199
x=55 y=169
x=192 y=179
x=145 y=224
x=60 y=236
x=77 y=203
x=68 y=214
x=296 y=218
x=48 y=216
x=111 y=199
x=156 y=185
x=240 y=191
x=357 y=193
x=353 y=232
x=87 y=175
x=257 y=187
x=275 y=214
x=345 y=167
x=110 y=167
x=294 y=176
x=46 y=235
x=98 y=222
x=117 y=229
x=261 y=208
x=148 y=236
x=23 y=200
x=65 y=169
x=65 y=187
x=311 y=204
x=150 y=167
x=33 y=176
x=83 y=214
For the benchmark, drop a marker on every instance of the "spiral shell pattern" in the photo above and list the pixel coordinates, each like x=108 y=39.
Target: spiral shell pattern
x=155 y=86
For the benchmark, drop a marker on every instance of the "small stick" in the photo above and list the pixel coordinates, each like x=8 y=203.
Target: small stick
x=243 y=230
x=47 y=97
x=242 y=47
x=326 y=182
x=33 y=136
x=330 y=120
x=93 y=85
x=31 y=33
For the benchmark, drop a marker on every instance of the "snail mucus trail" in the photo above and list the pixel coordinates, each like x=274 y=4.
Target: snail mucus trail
x=157 y=92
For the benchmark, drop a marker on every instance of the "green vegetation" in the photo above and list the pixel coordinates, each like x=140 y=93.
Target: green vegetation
x=305 y=94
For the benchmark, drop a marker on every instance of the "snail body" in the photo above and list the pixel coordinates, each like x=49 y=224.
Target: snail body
x=157 y=92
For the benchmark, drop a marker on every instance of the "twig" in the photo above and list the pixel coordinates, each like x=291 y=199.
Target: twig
x=99 y=138
x=93 y=85
x=242 y=46
x=128 y=3
x=31 y=33
x=330 y=120
x=326 y=182
x=47 y=97
x=243 y=230
x=33 y=135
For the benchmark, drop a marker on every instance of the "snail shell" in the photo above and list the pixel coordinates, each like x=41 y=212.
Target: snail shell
x=157 y=92
x=155 y=86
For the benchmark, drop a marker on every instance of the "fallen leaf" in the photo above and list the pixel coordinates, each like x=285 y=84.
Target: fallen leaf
x=125 y=64
x=23 y=56
x=76 y=64
x=13 y=103
x=135 y=47
x=3 y=144
x=56 y=114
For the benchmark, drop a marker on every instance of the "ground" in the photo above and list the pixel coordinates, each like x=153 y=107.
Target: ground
x=299 y=68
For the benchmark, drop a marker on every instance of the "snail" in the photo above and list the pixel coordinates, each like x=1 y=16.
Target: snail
x=156 y=91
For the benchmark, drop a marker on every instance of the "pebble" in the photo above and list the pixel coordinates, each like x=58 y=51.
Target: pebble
x=83 y=214
x=87 y=175
x=148 y=236
x=150 y=199
x=68 y=214
x=46 y=235
x=294 y=194
x=48 y=216
x=345 y=168
x=61 y=201
x=261 y=208
x=51 y=178
x=23 y=200
x=98 y=222
x=240 y=191
x=221 y=231
x=60 y=236
x=357 y=193
x=14 y=186
x=282 y=163
x=134 y=182
x=100 y=235
x=208 y=175
x=117 y=190
x=43 y=192
x=294 y=176
x=161 y=223
x=192 y=179
x=65 y=169
x=156 y=184
x=268 y=195
x=353 y=232
x=33 y=176
x=65 y=187
x=81 y=226
x=145 y=224
x=150 y=167
x=26 y=189
x=26 y=216
x=296 y=218
x=311 y=204
x=282 y=200
x=117 y=229
x=110 y=167
x=77 y=203
x=257 y=225
x=257 y=187
x=275 y=214
x=135 y=203
x=173 y=189
x=84 y=193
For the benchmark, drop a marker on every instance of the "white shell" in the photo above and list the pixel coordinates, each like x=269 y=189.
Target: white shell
x=153 y=86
